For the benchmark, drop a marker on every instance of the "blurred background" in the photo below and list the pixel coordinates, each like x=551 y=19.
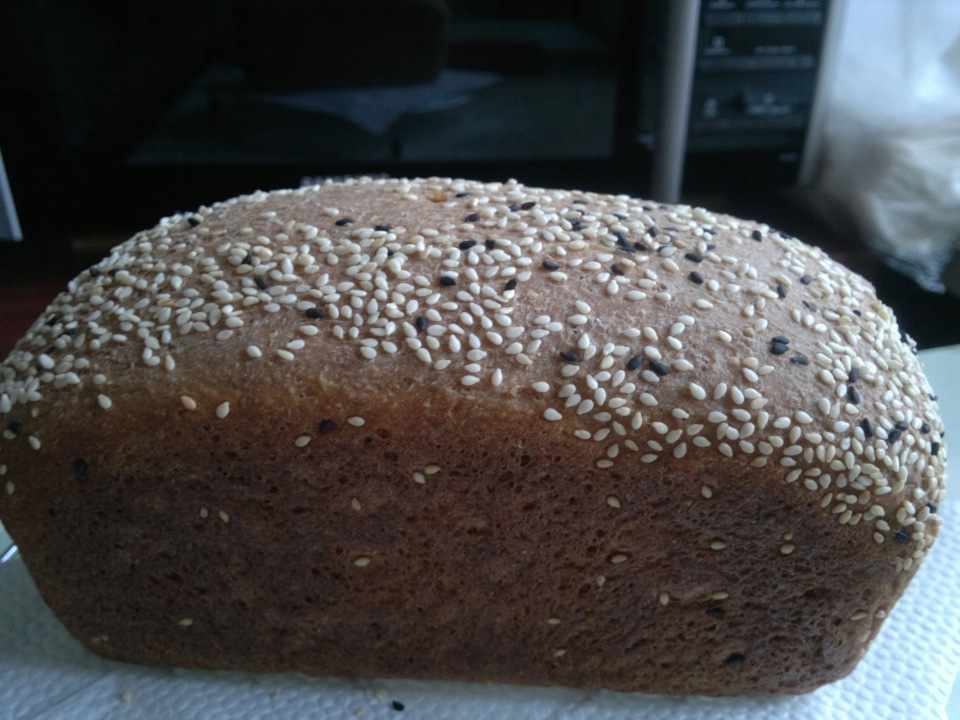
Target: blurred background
x=835 y=120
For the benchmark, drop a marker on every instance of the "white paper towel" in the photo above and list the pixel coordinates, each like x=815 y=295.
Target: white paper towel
x=907 y=674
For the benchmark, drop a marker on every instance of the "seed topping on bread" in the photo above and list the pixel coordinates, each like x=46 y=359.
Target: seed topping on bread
x=668 y=336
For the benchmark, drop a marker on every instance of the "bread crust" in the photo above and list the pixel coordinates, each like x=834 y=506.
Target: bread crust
x=442 y=429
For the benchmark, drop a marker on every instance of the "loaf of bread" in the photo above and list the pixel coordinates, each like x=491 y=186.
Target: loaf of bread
x=439 y=428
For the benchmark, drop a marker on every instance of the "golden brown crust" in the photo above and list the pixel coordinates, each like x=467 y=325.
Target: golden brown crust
x=436 y=428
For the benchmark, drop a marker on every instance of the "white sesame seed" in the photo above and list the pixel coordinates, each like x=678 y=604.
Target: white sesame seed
x=302 y=441
x=356 y=421
x=105 y=402
x=223 y=409
x=552 y=415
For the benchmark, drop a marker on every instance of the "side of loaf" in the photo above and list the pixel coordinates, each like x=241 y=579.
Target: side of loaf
x=439 y=428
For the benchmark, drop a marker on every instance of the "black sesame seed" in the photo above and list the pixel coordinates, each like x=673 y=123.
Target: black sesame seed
x=934 y=448
x=314 y=313
x=568 y=356
x=529 y=205
x=781 y=290
x=53 y=321
x=757 y=235
x=261 y=282
x=194 y=221
x=397 y=705
x=472 y=217
x=653 y=232
x=780 y=339
x=853 y=375
x=382 y=228
x=809 y=306
x=576 y=225
x=901 y=537
x=550 y=265
x=616 y=269
x=621 y=216
x=867 y=428
x=932 y=507
x=247 y=260
x=778 y=348
x=734 y=659
x=925 y=428
x=659 y=368
x=325 y=426
x=94 y=272
x=80 y=468
x=511 y=284
x=696 y=277
x=463 y=194
x=490 y=244
x=641 y=246
x=623 y=242
x=933 y=398
x=447 y=281
x=634 y=362
x=343 y=221
x=467 y=244
x=799 y=360
x=857 y=313
x=806 y=279
x=16 y=427
x=420 y=323
x=717 y=612
x=513 y=207
x=694 y=257
x=893 y=436
x=901 y=425
x=853 y=394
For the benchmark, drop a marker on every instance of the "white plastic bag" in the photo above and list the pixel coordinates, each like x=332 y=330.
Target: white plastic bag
x=891 y=140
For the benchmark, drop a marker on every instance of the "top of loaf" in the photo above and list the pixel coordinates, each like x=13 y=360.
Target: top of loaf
x=653 y=332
